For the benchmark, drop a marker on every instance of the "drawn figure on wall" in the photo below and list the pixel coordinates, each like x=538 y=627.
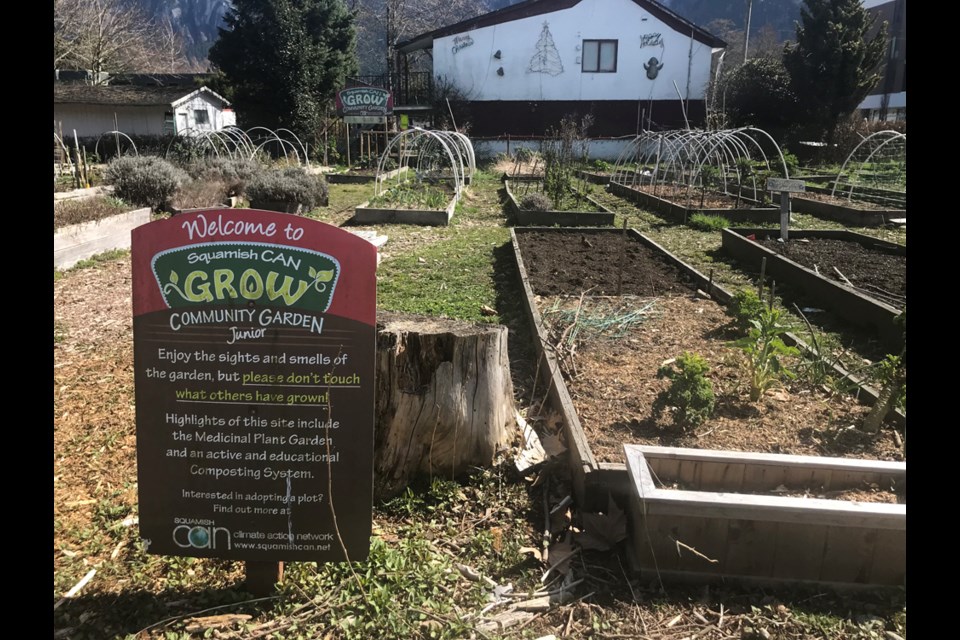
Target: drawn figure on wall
x=653 y=68
x=546 y=58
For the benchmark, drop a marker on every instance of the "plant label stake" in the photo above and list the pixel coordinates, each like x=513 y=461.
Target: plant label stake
x=785 y=187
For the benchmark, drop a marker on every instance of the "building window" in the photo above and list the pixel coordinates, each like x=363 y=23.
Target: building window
x=599 y=56
x=200 y=116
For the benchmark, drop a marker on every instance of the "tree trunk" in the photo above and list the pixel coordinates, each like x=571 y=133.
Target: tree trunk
x=444 y=400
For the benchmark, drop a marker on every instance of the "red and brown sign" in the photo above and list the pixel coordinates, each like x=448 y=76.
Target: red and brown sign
x=254 y=344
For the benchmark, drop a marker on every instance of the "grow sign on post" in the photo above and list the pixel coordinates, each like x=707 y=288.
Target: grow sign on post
x=364 y=105
x=254 y=342
x=785 y=187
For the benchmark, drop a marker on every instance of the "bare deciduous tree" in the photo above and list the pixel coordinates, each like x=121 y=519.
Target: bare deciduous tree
x=111 y=36
x=382 y=24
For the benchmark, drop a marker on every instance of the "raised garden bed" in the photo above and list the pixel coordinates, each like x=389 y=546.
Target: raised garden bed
x=729 y=510
x=810 y=261
x=77 y=242
x=361 y=176
x=604 y=386
x=594 y=177
x=524 y=217
x=858 y=213
x=406 y=212
x=669 y=200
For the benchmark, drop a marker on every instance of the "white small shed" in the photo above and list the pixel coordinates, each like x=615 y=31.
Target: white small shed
x=139 y=110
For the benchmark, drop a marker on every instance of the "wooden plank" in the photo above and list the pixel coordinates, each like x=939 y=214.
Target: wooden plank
x=664 y=471
x=721 y=476
x=750 y=548
x=659 y=534
x=689 y=474
x=890 y=558
x=763 y=477
x=842 y=513
x=850 y=464
x=804 y=478
x=798 y=553
x=848 y=554
x=709 y=537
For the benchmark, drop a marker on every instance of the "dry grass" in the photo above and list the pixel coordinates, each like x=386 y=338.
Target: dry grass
x=76 y=211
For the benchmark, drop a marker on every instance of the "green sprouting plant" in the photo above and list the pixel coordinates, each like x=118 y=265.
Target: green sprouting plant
x=764 y=347
x=744 y=307
x=690 y=391
x=703 y=222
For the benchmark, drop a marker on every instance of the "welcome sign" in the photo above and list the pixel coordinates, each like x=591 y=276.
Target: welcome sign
x=364 y=101
x=254 y=344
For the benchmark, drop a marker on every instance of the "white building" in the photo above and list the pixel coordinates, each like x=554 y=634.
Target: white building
x=888 y=99
x=523 y=67
x=139 y=110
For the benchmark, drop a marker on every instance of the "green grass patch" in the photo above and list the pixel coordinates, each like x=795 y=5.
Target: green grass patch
x=702 y=222
x=95 y=261
x=452 y=277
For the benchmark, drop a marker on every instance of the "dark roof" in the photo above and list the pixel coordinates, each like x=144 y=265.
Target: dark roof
x=531 y=8
x=161 y=79
x=127 y=95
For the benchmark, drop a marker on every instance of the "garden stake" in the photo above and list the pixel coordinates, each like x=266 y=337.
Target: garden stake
x=623 y=250
x=710 y=284
x=773 y=291
x=763 y=270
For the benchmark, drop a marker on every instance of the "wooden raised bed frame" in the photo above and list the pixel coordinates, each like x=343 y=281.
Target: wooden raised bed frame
x=595 y=482
x=524 y=217
x=77 y=242
x=365 y=214
x=846 y=302
x=681 y=213
x=764 y=537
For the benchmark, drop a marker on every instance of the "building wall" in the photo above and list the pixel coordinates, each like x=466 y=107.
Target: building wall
x=468 y=58
x=186 y=115
x=93 y=119
x=888 y=99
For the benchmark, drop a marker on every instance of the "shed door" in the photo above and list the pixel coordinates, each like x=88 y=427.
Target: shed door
x=181 y=122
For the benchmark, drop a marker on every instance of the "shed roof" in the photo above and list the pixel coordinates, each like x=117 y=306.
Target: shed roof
x=128 y=95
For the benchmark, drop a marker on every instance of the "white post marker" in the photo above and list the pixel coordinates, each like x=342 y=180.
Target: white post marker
x=785 y=187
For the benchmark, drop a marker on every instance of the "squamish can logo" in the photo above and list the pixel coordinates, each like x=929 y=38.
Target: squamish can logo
x=201 y=537
x=225 y=272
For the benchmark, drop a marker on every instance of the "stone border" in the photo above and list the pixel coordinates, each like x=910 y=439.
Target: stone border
x=78 y=242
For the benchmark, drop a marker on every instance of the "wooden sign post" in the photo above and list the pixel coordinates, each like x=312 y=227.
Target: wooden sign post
x=254 y=344
x=785 y=187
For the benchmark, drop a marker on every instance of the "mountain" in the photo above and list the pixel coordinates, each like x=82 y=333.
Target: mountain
x=197 y=20
x=779 y=16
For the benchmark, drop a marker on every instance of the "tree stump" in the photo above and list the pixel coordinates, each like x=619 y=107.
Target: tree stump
x=444 y=398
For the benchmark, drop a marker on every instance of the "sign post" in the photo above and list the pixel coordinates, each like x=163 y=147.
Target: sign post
x=785 y=187
x=254 y=344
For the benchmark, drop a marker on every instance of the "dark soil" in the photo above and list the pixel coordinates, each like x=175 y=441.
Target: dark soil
x=697 y=199
x=570 y=263
x=876 y=272
x=852 y=203
x=612 y=374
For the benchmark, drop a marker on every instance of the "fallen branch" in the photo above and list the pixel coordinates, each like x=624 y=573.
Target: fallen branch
x=843 y=277
x=76 y=588
x=694 y=551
